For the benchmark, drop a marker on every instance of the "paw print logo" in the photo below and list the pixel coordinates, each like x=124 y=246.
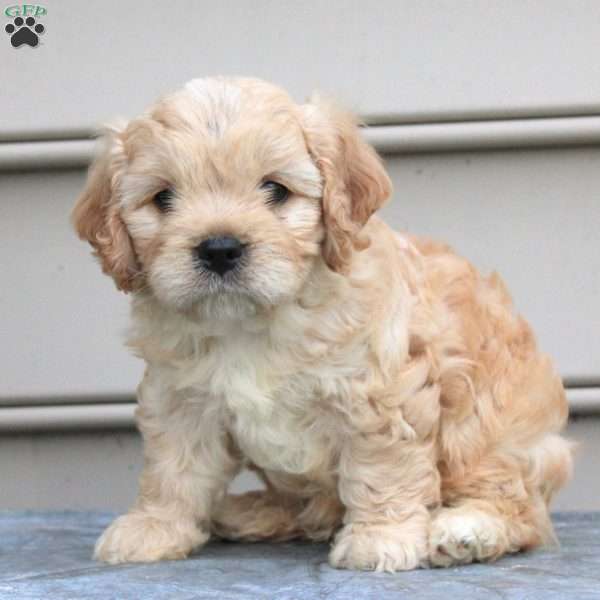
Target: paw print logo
x=24 y=32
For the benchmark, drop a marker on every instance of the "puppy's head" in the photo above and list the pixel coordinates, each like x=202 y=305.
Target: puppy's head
x=227 y=191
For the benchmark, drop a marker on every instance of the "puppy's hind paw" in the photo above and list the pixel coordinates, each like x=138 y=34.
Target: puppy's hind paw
x=460 y=536
x=140 y=537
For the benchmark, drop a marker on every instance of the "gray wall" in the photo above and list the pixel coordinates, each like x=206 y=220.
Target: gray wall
x=489 y=118
x=99 y=470
x=391 y=60
x=77 y=470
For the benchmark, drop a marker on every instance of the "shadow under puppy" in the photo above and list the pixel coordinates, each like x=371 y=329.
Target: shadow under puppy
x=386 y=393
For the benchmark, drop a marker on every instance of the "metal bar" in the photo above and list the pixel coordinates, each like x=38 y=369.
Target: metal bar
x=66 y=400
x=582 y=402
x=67 y=418
x=389 y=139
x=405 y=117
x=485 y=135
x=34 y=156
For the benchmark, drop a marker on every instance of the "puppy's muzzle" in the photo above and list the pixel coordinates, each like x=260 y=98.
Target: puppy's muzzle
x=219 y=254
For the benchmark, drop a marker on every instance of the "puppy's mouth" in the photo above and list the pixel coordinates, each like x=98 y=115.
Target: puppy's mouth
x=222 y=295
x=209 y=283
x=243 y=275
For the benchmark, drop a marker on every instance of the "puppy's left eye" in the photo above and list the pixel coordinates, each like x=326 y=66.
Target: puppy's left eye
x=277 y=193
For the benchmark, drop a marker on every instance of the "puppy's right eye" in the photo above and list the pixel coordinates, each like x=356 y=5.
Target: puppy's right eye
x=163 y=200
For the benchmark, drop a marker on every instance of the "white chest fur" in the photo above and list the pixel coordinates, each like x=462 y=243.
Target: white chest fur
x=275 y=417
x=273 y=380
x=279 y=422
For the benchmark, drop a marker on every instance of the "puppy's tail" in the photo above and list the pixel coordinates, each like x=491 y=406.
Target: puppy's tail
x=551 y=464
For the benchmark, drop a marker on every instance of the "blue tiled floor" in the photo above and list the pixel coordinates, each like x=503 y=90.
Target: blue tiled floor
x=48 y=555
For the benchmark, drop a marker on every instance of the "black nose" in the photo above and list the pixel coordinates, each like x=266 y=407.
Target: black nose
x=219 y=254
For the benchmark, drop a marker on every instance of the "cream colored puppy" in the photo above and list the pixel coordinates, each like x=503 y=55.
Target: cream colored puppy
x=386 y=392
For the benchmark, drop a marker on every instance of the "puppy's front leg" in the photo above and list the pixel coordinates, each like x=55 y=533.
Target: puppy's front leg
x=186 y=466
x=387 y=481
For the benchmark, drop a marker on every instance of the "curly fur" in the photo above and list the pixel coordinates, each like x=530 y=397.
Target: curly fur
x=386 y=392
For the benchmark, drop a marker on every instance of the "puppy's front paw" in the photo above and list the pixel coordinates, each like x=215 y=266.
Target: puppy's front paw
x=378 y=548
x=141 y=537
x=463 y=535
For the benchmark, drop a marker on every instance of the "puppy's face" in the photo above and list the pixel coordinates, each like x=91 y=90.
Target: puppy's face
x=226 y=193
x=220 y=196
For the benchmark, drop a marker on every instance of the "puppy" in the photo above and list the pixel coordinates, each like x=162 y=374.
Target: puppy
x=385 y=391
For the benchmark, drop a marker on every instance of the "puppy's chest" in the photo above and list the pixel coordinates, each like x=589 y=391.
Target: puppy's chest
x=288 y=437
x=278 y=421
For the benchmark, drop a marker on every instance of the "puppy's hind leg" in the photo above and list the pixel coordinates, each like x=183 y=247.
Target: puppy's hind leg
x=501 y=507
x=262 y=515
x=256 y=516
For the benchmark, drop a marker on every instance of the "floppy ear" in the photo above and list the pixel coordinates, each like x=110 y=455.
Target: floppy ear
x=355 y=181
x=96 y=216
